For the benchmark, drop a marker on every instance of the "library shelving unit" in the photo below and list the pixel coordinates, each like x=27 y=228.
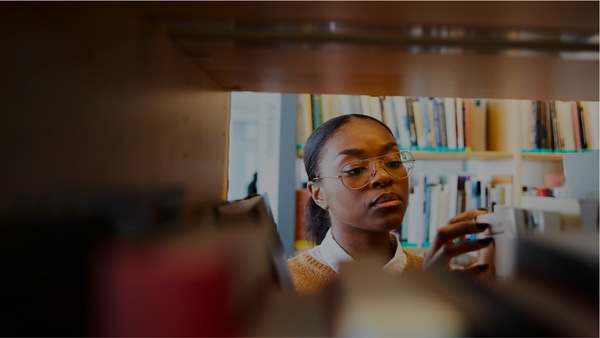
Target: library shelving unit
x=106 y=101
x=161 y=118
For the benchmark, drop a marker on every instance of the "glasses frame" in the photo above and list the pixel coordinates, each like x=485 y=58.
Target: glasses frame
x=373 y=172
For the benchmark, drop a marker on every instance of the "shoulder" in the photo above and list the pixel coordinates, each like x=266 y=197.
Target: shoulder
x=309 y=274
x=413 y=262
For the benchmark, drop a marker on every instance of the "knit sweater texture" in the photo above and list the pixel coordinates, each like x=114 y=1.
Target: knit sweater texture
x=310 y=275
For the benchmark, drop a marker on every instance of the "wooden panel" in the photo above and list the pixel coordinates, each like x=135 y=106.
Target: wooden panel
x=300 y=57
x=578 y=15
x=95 y=100
x=376 y=71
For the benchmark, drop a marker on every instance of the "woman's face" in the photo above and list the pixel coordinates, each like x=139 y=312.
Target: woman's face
x=379 y=206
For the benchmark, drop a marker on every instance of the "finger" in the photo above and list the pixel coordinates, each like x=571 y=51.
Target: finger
x=468 y=215
x=455 y=249
x=446 y=252
x=456 y=230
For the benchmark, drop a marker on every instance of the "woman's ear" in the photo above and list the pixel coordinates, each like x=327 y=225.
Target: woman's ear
x=314 y=189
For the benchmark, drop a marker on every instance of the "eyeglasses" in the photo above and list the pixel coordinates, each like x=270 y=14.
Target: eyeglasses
x=358 y=174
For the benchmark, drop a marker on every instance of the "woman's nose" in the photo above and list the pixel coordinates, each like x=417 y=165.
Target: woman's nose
x=380 y=176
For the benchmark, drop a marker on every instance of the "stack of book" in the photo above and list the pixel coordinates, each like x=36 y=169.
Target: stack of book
x=559 y=126
x=418 y=123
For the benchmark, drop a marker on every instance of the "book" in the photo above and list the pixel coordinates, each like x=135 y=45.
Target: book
x=411 y=122
x=419 y=123
x=565 y=122
x=549 y=126
x=327 y=108
x=450 y=183
x=467 y=122
x=478 y=124
x=442 y=122
x=450 y=110
x=460 y=127
x=435 y=112
x=303 y=120
x=399 y=106
x=316 y=110
x=365 y=104
x=389 y=118
x=431 y=137
x=557 y=142
x=375 y=107
x=434 y=211
x=525 y=106
x=583 y=126
x=592 y=116
x=576 y=125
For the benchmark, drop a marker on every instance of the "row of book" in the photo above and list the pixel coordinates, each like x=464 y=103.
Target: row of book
x=418 y=123
x=559 y=126
x=435 y=200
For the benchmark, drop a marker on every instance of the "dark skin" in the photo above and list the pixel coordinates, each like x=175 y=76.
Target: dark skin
x=362 y=219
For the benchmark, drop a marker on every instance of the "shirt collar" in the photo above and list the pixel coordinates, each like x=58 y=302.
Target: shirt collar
x=332 y=254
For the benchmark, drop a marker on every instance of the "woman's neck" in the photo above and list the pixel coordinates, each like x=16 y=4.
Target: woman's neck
x=360 y=243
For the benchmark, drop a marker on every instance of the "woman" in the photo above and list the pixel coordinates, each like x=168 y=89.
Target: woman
x=358 y=185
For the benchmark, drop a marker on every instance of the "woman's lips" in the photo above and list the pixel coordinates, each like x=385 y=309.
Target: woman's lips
x=388 y=199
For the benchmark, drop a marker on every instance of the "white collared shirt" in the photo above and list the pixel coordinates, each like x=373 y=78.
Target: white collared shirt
x=331 y=253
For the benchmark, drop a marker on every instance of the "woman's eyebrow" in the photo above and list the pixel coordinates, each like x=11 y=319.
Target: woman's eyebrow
x=390 y=145
x=356 y=151
x=352 y=151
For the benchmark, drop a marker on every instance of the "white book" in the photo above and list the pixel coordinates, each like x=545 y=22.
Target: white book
x=346 y=104
x=434 y=211
x=443 y=217
x=460 y=127
x=468 y=194
x=565 y=121
x=365 y=104
x=375 y=107
x=389 y=118
x=525 y=107
x=450 y=109
x=327 y=107
x=399 y=105
x=591 y=112
x=451 y=182
x=416 y=227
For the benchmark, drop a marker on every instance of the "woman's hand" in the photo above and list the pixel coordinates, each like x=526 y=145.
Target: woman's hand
x=450 y=242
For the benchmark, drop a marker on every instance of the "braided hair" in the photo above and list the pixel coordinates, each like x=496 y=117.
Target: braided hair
x=316 y=218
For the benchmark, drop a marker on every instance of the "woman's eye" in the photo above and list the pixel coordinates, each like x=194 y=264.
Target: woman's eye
x=354 y=171
x=393 y=164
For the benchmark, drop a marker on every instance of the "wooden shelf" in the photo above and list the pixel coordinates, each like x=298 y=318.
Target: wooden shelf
x=480 y=155
x=543 y=156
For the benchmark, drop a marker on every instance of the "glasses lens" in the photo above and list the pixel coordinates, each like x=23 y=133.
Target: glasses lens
x=356 y=175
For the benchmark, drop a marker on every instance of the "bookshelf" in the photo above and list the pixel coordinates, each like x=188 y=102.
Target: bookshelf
x=175 y=64
x=114 y=99
x=505 y=163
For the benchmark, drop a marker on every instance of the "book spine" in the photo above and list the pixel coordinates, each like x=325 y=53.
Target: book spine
x=317 y=113
x=411 y=122
x=389 y=117
x=576 y=125
x=467 y=123
x=584 y=126
x=399 y=104
x=460 y=127
x=436 y=122
x=555 y=129
x=442 y=118
x=420 y=129
x=450 y=108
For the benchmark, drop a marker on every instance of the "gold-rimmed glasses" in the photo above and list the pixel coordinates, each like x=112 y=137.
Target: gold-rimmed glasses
x=358 y=174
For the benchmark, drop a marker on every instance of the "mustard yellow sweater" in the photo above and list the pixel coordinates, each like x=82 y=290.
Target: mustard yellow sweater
x=310 y=275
